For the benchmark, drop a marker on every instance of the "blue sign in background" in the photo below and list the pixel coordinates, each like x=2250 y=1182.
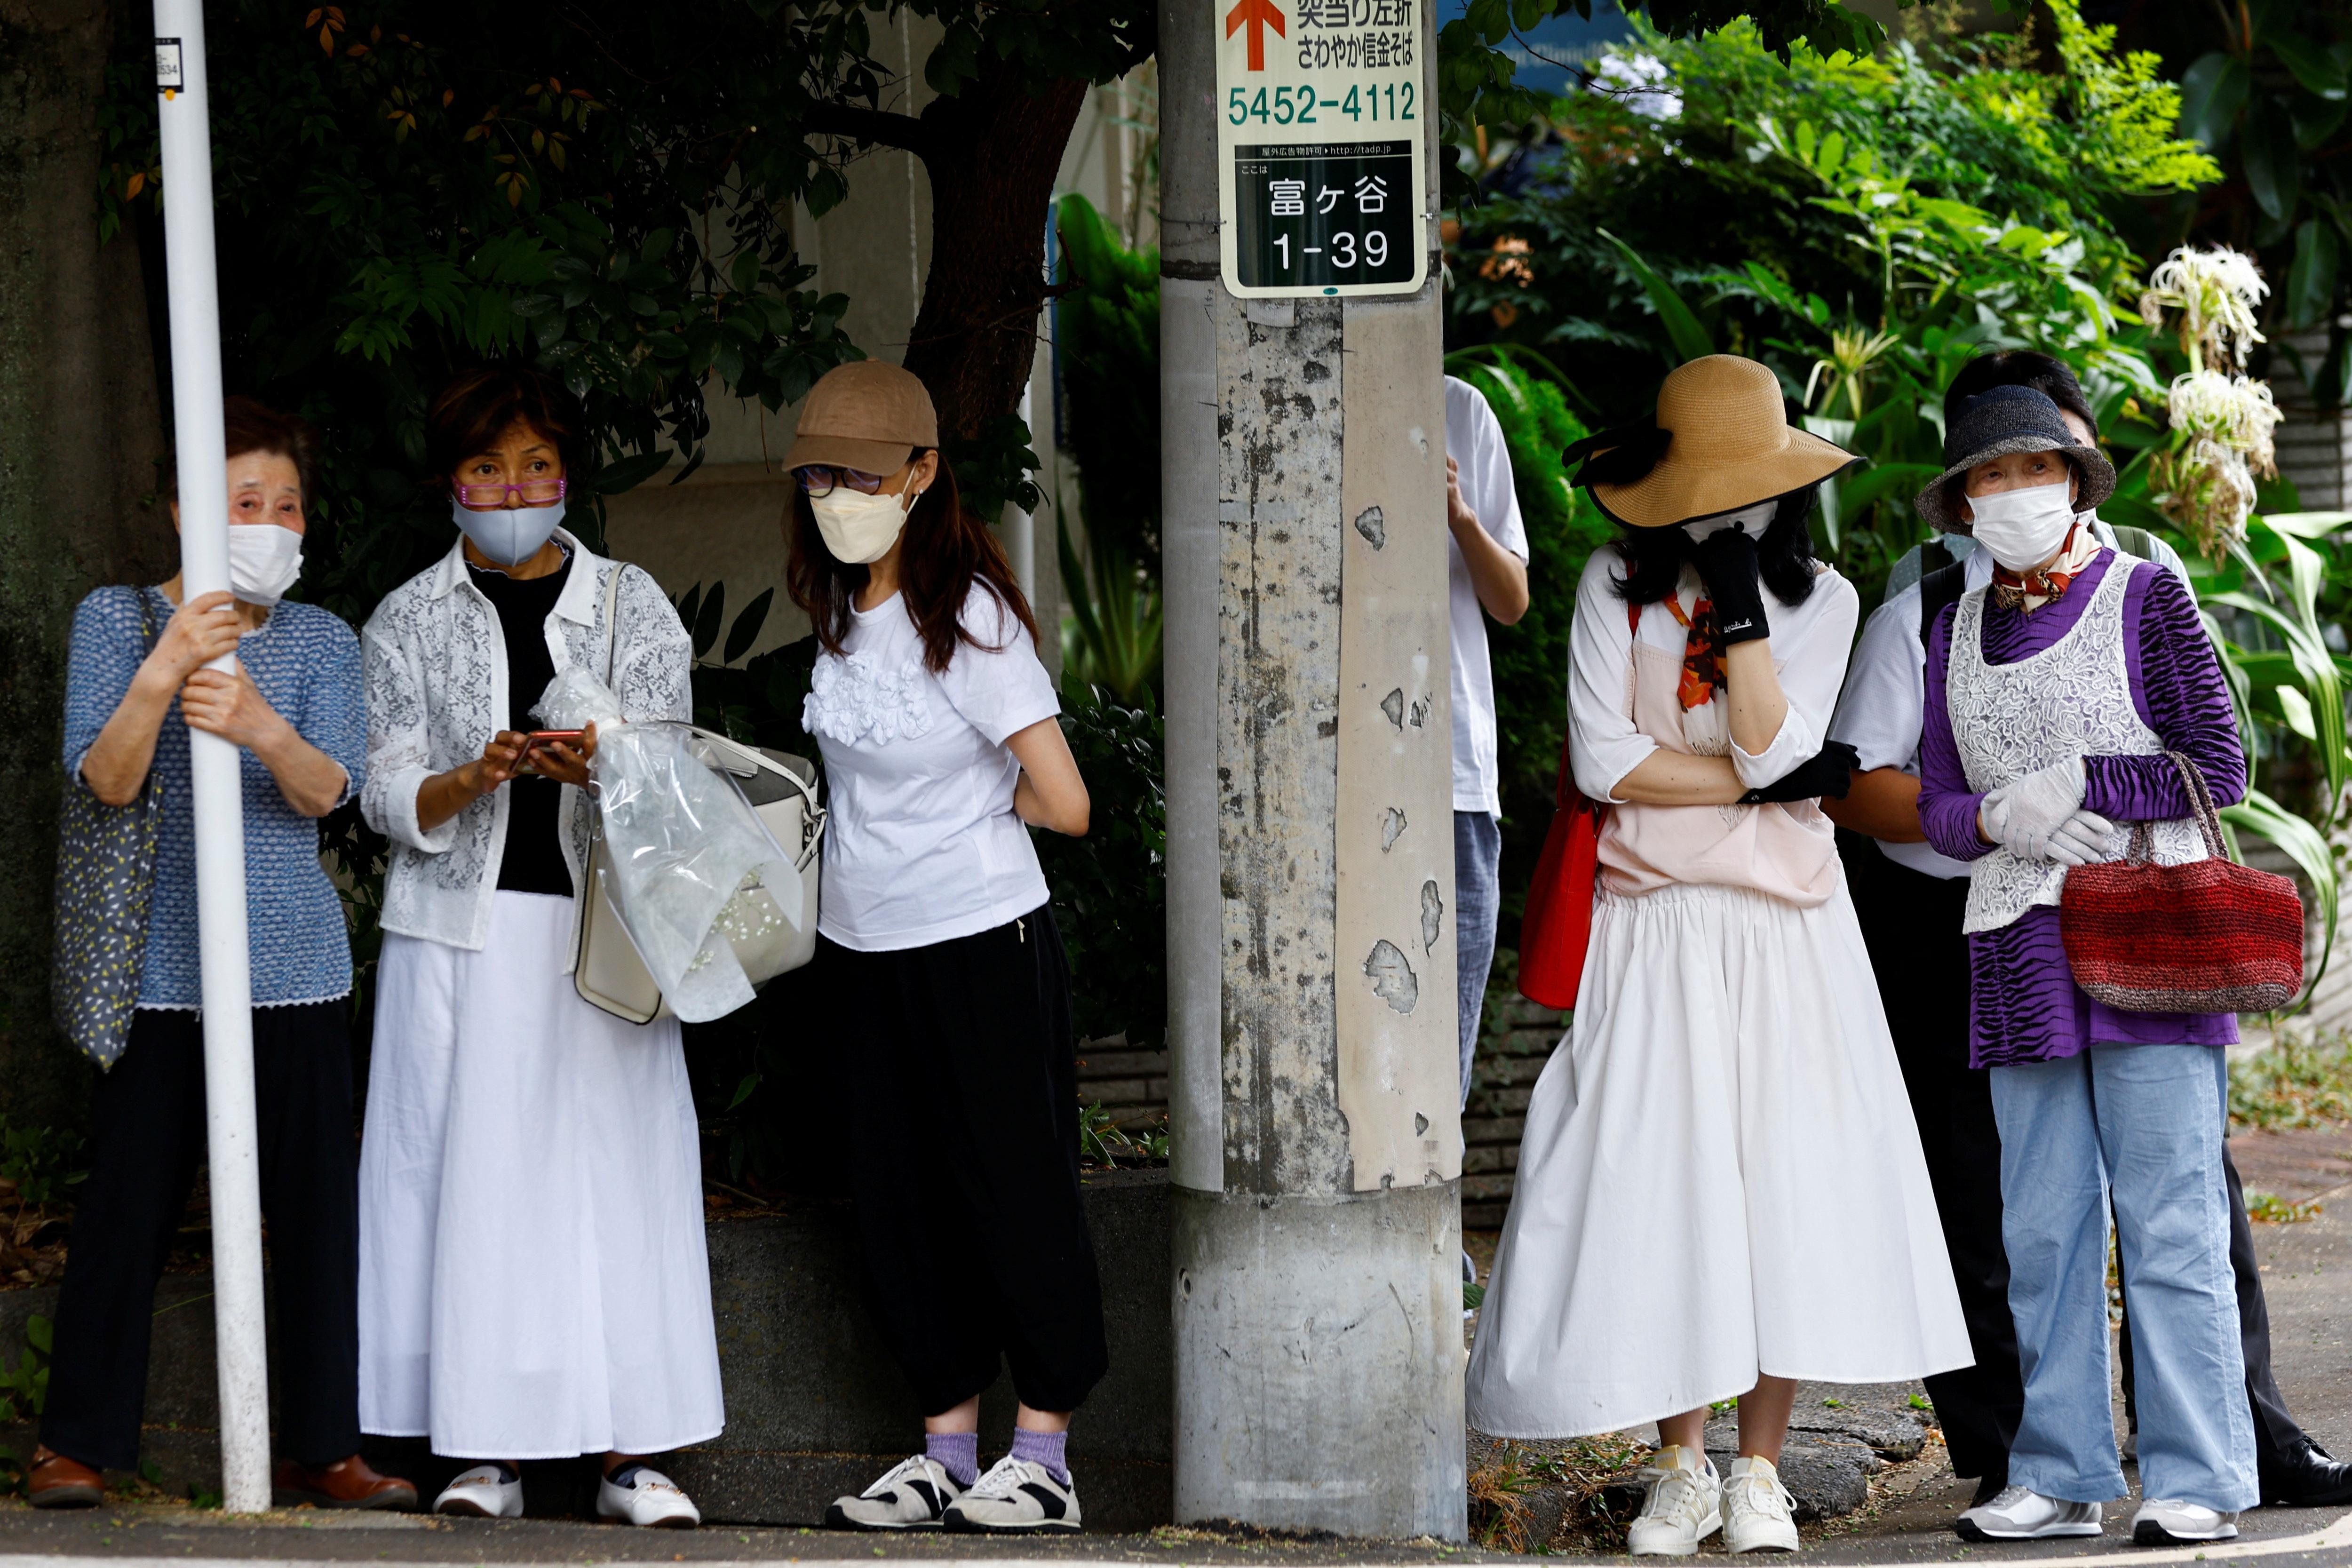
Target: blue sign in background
x=1547 y=53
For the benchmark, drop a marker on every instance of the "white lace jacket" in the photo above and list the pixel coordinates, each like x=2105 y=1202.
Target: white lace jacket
x=437 y=692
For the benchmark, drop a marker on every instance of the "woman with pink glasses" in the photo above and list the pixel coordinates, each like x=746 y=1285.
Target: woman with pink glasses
x=532 y=1278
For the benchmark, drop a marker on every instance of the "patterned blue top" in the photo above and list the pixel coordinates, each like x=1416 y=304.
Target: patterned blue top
x=307 y=663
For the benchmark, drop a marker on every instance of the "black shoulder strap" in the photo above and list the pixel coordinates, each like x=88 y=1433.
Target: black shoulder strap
x=1934 y=556
x=1938 y=589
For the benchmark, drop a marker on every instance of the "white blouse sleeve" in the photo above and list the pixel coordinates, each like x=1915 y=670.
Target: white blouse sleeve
x=1603 y=745
x=1810 y=644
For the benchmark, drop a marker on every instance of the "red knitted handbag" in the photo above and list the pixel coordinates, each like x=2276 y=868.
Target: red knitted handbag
x=1559 y=918
x=2211 y=936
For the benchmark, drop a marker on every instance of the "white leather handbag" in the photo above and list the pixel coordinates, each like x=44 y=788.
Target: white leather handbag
x=606 y=969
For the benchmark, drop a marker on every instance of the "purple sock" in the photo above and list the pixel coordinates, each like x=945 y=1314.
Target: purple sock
x=957 y=1454
x=1042 y=1449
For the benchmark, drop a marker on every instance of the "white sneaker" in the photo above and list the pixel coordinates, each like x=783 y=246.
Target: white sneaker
x=2169 y=1521
x=1016 y=1496
x=639 y=1494
x=484 y=1491
x=1683 y=1507
x=913 y=1494
x=1759 y=1514
x=2020 y=1513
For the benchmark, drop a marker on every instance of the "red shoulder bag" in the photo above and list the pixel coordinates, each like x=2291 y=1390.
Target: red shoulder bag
x=1559 y=918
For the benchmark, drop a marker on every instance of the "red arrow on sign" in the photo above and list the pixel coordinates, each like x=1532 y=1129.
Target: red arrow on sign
x=1260 y=14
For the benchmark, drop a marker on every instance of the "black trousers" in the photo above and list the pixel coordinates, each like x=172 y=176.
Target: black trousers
x=148 y=1133
x=1911 y=924
x=959 y=1078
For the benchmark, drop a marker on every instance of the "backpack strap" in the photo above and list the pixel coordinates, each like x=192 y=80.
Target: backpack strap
x=1934 y=556
x=2134 y=542
x=1938 y=589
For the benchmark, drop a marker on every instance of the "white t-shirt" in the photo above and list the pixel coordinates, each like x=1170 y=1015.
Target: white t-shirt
x=1474 y=439
x=922 y=845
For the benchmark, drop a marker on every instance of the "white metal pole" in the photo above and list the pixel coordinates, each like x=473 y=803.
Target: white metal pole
x=215 y=765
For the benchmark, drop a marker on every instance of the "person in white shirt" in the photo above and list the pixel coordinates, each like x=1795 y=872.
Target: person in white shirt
x=1911 y=899
x=1487 y=574
x=949 y=996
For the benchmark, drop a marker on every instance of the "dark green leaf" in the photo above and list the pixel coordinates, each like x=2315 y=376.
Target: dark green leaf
x=2313 y=66
x=689 y=606
x=707 y=624
x=2212 y=93
x=2273 y=162
x=746 y=630
x=1690 y=339
x=627 y=473
x=2311 y=282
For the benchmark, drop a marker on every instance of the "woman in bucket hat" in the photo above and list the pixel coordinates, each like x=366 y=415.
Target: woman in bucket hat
x=1720 y=1189
x=2051 y=693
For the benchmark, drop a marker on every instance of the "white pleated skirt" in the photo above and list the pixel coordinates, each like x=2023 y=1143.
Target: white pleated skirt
x=533 y=1281
x=1720 y=1176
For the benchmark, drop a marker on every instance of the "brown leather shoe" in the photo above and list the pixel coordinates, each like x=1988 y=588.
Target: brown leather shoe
x=56 y=1481
x=346 y=1483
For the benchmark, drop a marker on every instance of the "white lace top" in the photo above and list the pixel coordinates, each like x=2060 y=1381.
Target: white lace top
x=2072 y=699
x=435 y=667
x=922 y=845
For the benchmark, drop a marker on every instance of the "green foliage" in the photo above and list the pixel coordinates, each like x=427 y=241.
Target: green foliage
x=25 y=1387
x=2295 y=1083
x=2267 y=91
x=40 y=1163
x=1110 y=888
x=1103 y=1142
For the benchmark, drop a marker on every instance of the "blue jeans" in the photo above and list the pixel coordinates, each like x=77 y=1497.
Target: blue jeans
x=1477 y=901
x=2143 y=1123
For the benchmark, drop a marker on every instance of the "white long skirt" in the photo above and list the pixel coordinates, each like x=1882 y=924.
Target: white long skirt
x=533 y=1282
x=1720 y=1177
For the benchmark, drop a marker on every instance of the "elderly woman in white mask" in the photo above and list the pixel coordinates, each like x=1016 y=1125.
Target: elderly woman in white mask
x=138 y=684
x=532 y=1265
x=1669 y=1243
x=2052 y=694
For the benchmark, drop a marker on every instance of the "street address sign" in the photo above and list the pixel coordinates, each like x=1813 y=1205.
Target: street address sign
x=1320 y=128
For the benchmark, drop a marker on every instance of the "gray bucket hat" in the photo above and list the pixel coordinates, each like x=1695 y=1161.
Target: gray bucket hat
x=1995 y=423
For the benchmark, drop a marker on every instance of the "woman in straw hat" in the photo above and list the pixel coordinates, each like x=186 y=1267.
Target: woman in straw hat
x=1720 y=1189
x=942 y=747
x=2052 y=693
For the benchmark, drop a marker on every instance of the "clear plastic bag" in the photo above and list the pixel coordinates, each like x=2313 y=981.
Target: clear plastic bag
x=691 y=864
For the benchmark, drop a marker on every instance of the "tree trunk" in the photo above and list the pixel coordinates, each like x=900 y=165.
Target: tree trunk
x=79 y=437
x=992 y=153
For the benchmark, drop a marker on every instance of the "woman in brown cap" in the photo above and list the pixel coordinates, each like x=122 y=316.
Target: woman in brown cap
x=1720 y=1190
x=941 y=749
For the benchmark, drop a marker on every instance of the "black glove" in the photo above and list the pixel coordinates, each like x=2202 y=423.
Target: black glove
x=1726 y=559
x=1829 y=774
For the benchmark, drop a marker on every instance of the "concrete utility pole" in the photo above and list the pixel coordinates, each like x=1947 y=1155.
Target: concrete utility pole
x=1318 y=1292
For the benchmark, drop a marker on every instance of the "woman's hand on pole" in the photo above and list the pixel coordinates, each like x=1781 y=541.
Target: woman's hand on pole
x=443 y=796
x=229 y=704
x=1050 y=793
x=199 y=631
x=564 y=762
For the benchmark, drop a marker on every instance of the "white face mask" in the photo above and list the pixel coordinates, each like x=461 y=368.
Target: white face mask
x=1752 y=521
x=2023 y=528
x=263 y=558
x=860 y=528
x=509 y=535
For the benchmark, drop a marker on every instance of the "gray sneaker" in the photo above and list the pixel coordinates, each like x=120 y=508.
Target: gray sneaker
x=1016 y=1497
x=914 y=1494
x=2020 y=1513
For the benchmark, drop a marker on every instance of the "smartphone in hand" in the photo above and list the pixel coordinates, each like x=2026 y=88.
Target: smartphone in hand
x=533 y=740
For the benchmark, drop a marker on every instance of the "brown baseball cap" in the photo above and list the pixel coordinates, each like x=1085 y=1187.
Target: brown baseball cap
x=865 y=415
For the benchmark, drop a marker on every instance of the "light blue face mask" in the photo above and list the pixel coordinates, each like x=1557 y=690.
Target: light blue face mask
x=509 y=535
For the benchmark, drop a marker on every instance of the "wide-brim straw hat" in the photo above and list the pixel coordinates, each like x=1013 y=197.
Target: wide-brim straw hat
x=1729 y=445
x=1995 y=423
x=869 y=415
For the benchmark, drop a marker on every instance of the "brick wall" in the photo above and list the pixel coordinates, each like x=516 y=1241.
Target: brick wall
x=1517 y=1040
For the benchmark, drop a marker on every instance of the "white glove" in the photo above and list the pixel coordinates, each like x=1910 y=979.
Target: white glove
x=2021 y=816
x=2081 y=839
